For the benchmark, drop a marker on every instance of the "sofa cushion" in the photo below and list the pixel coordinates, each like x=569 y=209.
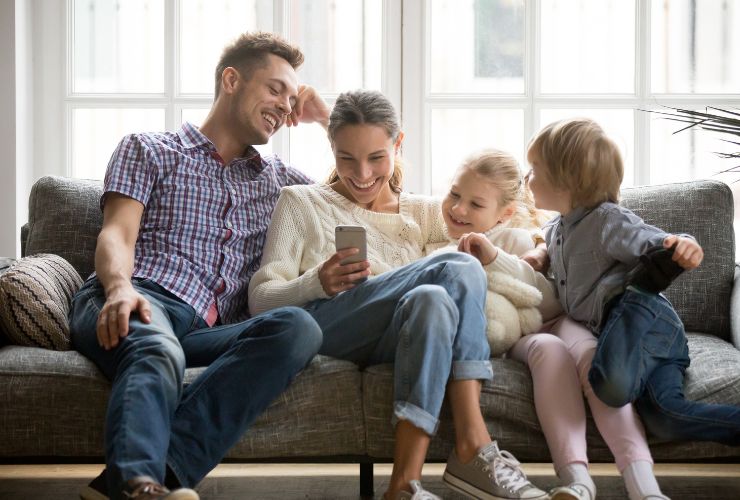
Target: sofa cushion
x=705 y=210
x=507 y=404
x=64 y=218
x=35 y=295
x=54 y=402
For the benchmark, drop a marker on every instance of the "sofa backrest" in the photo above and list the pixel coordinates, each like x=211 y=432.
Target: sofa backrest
x=705 y=210
x=65 y=218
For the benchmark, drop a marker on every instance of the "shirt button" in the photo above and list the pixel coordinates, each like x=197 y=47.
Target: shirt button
x=228 y=224
x=558 y=241
x=562 y=282
x=233 y=192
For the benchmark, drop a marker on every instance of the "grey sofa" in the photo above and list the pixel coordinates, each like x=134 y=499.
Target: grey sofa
x=52 y=403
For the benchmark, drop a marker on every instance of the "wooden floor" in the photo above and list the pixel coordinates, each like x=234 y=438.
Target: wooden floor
x=326 y=481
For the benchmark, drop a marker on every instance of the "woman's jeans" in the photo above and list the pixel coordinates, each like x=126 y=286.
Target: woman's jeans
x=152 y=420
x=427 y=318
x=641 y=357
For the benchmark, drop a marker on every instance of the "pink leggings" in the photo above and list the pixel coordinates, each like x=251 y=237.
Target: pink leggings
x=559 y=362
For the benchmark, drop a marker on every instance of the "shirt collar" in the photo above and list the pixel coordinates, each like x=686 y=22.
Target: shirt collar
x=191 y=138
x=574 y=216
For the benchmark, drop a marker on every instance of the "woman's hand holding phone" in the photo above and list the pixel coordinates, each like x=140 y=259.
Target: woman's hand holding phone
x=336 y=277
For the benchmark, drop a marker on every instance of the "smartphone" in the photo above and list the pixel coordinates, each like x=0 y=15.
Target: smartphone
x=351 y=237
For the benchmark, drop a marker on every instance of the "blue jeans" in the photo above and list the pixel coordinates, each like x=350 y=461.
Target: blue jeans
x=641 y=357
x=427 y=318
x=153 y=421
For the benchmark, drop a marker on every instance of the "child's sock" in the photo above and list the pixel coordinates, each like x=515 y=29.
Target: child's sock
x=640 y=481
x=577 y=473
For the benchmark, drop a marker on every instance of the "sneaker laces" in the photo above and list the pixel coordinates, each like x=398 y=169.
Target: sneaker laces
x=507 y=472
x=150 y=489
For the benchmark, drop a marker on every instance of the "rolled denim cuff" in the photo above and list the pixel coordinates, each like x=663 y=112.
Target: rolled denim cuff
x=472 y=369
x=403 y=410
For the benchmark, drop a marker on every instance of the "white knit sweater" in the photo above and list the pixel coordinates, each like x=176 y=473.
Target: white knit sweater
x=301 y=238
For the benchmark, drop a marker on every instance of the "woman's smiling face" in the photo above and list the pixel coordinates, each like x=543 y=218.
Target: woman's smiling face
x=365 y=157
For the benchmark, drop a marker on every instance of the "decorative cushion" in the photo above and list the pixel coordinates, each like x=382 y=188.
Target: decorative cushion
x=35 y=295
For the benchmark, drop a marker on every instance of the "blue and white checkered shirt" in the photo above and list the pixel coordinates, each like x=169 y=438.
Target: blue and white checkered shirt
x=204 y=223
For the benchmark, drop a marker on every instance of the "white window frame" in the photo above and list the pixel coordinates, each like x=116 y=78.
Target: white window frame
x=55 y=62
x=417 y=106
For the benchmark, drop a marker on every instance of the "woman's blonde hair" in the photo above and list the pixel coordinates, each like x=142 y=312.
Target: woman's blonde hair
x=502 y=170
x=578 y=157
x=367 y=107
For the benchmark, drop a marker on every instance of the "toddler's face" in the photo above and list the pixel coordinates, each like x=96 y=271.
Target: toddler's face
x=472 y=206
x=545 y=196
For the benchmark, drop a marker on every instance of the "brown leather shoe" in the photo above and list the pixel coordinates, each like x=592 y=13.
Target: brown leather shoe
x=146 y=488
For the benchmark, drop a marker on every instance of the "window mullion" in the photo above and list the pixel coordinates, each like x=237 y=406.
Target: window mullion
x=172 y=63
x=642 y=86
x=414 y=92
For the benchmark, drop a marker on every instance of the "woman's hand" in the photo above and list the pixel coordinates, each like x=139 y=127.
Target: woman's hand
x=336 y=277
x=309 y=107
x=479 y=247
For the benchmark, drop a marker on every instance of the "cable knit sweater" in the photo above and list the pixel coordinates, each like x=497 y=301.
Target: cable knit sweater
x=301 y=238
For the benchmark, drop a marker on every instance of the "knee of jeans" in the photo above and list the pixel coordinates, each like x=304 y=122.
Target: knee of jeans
x=432 y=304
x=301 y=334
x=157 y=348
x=546 y=348
x=463 y=267
x=613 y=390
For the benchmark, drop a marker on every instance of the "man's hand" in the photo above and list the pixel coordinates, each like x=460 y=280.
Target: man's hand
x=308 y=108
x=113 y=319
x=688 y=253
x=537 y=258
x=478 y=246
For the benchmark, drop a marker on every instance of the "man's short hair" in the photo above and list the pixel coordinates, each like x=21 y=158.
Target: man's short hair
x=578 y=157
x=249 y=52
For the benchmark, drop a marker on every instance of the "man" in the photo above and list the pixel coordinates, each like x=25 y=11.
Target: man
x=184 y=220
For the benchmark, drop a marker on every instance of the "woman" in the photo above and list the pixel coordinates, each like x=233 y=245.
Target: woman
x=425 y=315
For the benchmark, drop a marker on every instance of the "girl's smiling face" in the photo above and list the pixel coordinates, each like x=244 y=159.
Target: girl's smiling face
x=472 y=205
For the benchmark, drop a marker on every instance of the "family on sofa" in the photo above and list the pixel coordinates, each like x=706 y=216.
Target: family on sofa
x=179 y=267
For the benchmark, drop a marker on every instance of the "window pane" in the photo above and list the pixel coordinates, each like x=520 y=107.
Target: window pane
x=342 y=42
x=118 y=46
x=477 y=46
x=587 y=47
x=458 y=133
x=619 y=124
x=310 y=151
x=206 y=27
x=97 y=132
x=689 y=154
x=693 y=46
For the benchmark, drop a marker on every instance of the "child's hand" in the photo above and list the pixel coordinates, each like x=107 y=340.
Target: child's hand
x=537 y=258
x=688 y=253
x=336 y=277
x=479 y=247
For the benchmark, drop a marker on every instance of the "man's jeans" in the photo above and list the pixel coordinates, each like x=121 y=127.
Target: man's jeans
x=427 y=318
x=152 y=420
x=641 y=357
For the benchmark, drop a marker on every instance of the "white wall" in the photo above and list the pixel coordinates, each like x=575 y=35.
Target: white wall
x=8 y=177
x=16 y=122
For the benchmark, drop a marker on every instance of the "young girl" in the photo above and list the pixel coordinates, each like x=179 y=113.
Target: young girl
x=488 y=214
x=423 y=314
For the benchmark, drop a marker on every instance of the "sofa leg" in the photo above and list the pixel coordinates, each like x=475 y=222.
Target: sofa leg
x=366 y=480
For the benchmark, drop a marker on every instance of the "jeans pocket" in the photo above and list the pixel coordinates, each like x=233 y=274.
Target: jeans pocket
x=661 y=337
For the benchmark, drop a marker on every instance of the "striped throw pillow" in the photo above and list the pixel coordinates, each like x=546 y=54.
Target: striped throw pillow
x=35 y=295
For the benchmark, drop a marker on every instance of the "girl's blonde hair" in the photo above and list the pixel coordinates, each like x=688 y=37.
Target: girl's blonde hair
x=502 y=169
x=360 y=107
x=578 y=157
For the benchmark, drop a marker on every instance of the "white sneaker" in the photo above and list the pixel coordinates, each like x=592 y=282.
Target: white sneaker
x=418 y=494
x=572 y=492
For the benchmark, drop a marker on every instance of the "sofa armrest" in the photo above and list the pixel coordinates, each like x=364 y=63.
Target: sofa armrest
x=735 y=309
x=24 y=237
